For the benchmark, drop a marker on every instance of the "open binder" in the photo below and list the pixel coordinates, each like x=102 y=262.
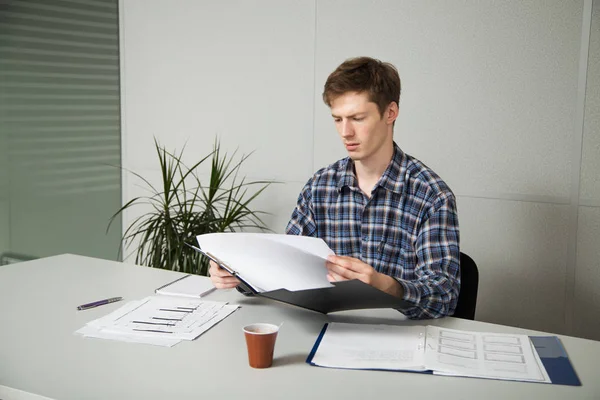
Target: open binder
x=346 y=295
x=340 y=296
x=548 y=350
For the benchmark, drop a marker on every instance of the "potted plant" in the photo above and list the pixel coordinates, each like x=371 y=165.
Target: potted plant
x=184 y=207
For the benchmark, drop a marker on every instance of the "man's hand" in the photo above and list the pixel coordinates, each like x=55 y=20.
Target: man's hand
x=221 y=278
x=342 y=268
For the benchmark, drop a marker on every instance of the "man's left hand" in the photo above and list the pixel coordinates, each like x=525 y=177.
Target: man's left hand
x=342 y=268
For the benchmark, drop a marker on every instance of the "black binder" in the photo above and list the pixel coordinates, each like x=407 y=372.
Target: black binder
x=344 y=295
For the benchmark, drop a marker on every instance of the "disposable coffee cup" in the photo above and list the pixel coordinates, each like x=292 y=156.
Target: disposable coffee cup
x=260 y=340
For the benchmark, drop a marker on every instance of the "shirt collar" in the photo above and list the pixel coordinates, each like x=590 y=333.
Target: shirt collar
x=390 y=180
x=393 y=177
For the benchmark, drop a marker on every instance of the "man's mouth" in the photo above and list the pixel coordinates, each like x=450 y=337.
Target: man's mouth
x=351 y=146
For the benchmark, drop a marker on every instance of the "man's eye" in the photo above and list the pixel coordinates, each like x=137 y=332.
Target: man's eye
x=337 y=119
x=359 y=119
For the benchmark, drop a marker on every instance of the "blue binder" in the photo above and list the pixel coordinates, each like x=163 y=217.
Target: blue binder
x=555 y=360
x=549 y=348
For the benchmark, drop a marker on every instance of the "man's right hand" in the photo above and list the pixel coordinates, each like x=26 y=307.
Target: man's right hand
x=221 y=278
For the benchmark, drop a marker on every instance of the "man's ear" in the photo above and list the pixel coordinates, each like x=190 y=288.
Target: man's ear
x=391 y=113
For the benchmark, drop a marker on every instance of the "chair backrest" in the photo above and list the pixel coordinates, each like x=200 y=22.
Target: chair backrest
x=469 y=283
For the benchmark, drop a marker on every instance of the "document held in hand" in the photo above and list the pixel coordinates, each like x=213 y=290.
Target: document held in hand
x=270 y=261
x=290 y=269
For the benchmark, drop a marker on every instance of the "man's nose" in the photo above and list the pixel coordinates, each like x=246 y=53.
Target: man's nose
x=346 y=129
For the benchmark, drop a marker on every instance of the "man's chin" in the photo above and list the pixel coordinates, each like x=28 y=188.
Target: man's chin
x=354 y=156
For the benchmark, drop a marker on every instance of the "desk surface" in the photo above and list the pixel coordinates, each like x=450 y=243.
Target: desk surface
x=58 y=364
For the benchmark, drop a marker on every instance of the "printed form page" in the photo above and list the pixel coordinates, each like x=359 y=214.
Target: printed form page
x=483 y=355
x=365 y=346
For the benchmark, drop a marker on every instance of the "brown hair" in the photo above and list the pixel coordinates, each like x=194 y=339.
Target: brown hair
x=380 y=80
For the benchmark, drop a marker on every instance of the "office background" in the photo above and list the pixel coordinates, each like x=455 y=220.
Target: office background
x=500 y=98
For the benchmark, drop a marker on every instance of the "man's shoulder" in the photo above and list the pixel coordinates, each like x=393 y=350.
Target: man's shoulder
x=328 y=176
x=423 y=180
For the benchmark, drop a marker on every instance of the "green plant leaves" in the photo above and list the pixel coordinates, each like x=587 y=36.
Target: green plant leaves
x=185 y=208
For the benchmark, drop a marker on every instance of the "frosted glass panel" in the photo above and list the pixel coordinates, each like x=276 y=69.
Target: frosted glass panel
x=59 y=128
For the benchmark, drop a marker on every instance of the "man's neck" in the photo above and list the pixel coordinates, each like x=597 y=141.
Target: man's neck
x=369 y=171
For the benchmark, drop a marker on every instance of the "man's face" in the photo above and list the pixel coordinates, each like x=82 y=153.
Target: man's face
x=364 y=132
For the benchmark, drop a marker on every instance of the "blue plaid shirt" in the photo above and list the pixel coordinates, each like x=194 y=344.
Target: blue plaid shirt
x=408 y=229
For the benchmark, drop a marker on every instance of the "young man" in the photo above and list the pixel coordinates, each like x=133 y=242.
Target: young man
x=390 y=220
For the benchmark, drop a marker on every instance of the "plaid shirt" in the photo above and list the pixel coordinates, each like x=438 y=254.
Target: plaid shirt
x=408 y=229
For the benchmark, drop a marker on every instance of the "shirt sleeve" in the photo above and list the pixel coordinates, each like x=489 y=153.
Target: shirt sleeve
x=435 y=290
x=302 y=222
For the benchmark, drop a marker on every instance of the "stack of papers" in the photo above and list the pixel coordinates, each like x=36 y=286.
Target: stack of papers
x=159 y=320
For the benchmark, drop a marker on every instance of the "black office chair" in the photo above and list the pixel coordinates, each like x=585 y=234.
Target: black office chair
x=469 y=283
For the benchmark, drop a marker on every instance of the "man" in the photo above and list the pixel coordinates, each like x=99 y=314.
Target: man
x=390 y=220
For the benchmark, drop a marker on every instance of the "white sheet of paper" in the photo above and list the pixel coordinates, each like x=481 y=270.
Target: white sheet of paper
x=483 y=355
x=271 y=262
x=94 y=332
x=308 y=244
x=365 y=346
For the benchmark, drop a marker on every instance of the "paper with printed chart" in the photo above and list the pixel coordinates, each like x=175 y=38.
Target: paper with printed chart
x=483 y=355
x=159 y=320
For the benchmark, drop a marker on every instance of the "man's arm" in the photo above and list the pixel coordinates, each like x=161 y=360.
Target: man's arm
x=435 y=289
x=302 y=222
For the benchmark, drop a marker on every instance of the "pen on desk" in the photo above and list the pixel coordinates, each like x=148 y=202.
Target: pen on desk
x=99 y=303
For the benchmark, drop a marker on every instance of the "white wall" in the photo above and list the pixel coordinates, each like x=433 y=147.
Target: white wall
x=490 y=101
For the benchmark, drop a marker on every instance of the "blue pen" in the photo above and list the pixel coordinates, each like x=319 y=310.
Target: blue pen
x=99 y=303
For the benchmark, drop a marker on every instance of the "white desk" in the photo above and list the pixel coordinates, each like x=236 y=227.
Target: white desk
x=58 y=364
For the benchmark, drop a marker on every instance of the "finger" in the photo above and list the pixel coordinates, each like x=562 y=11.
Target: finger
x=343 y=261
x=333 y=277
x=341 y=273
x=352 y=264
x=225 y=279
x=217 y=271
x=225 y=283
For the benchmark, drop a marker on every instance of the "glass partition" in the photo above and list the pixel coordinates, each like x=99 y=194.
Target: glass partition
x=59 y=128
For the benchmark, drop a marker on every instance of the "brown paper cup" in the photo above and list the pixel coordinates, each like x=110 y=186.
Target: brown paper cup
x=260 y=340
